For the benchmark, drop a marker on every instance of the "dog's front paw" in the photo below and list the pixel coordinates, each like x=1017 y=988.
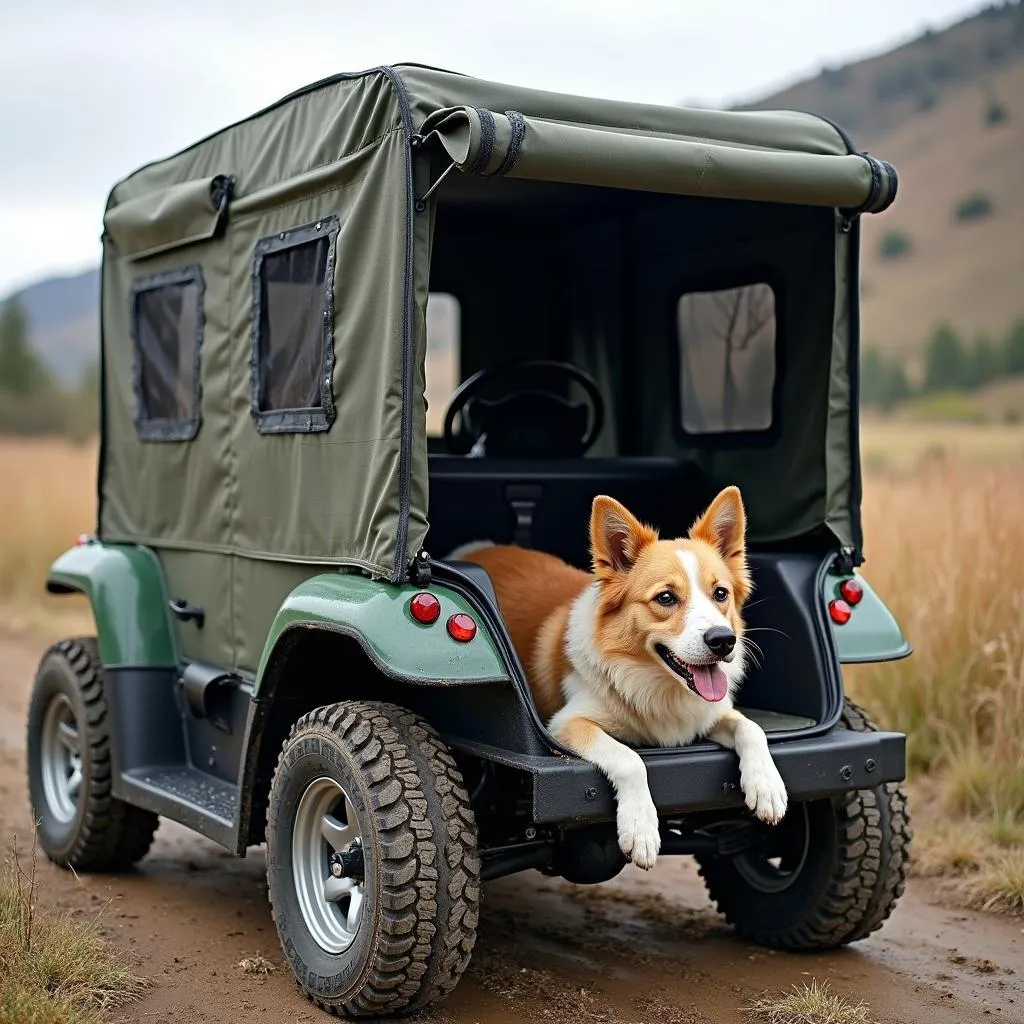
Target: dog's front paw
x=639 y=836
x=764 y=790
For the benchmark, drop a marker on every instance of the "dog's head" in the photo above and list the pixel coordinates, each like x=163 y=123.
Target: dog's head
x=676 y=603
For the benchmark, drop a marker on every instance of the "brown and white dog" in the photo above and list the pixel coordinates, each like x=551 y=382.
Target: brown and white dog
x=648 y=650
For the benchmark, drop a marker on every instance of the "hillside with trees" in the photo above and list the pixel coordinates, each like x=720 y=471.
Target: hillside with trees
x=942 y=297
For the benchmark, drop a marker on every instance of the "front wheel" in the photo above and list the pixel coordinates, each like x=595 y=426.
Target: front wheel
x=830 y=874
x=372 y=865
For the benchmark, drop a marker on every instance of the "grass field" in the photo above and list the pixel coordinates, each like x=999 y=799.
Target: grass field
x=50 y=500
x=944 y=543
x=945 y=549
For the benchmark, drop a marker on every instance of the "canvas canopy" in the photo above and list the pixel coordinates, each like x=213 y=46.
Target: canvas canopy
x=483 y=142
x=315 y=219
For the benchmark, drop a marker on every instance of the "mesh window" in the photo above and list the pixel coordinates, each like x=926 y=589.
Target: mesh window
x=293 y=324
x=727 y=359
x=167 y=328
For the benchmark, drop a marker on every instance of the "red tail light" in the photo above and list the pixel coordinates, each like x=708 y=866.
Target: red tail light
x=425 y=608
x=461 y=627
x=851 y=592
x=839 y=611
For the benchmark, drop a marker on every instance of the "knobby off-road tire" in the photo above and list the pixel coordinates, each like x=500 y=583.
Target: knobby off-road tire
x=81 y=825
x=853 y=871
x=420 y=898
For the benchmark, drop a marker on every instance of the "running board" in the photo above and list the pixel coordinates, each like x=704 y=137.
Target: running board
x=190 y=797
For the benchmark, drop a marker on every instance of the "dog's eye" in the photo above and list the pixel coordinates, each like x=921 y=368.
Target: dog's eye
x=720 y=594
x=666 y=598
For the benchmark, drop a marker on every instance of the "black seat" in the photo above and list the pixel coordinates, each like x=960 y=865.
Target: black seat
x=545 y=504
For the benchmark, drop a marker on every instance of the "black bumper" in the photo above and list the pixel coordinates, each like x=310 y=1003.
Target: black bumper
x=703 y=777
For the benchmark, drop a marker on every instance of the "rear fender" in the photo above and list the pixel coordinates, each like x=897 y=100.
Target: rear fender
x=872 y=632
x=341 y=636
x=376 y=615
x=125 y=586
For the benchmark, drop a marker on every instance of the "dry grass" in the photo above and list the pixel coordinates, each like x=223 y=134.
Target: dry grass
x=908 y=447
x=809 y=1003
x=50 y=500
x=998 y=886
x=54 y=968
x=945 y=549
x=256 y=964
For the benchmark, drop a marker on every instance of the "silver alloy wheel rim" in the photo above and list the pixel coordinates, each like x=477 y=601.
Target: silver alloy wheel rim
x=326 y=823
x=771 y=874
x=60 y=753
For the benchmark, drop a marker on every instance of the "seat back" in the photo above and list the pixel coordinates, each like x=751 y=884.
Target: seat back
x=545 y=504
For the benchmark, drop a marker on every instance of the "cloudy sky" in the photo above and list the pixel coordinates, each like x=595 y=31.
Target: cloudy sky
x=90 y=89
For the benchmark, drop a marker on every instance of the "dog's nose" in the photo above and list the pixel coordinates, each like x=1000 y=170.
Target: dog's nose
x=720 y=640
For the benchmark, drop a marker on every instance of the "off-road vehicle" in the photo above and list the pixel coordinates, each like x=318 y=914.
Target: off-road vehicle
x=647 y=302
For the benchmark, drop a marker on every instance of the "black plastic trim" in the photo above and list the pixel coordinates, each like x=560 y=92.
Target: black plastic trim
x=317 y=418
x=136 y=791
x=571 y=790
x=447 y=575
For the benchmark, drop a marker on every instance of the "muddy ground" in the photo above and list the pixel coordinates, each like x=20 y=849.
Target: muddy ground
x=643 y=948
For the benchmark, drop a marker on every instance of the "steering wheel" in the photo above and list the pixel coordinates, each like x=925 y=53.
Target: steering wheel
x=525 y=418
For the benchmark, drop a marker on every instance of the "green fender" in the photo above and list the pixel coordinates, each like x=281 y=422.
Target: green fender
x=377 y=616
x=125 y=587
x=872 y=632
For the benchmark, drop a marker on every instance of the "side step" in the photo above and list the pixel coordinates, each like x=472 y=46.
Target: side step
x=194 y=799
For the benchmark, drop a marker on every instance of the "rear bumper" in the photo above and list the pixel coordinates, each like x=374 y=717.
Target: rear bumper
x=569 y=789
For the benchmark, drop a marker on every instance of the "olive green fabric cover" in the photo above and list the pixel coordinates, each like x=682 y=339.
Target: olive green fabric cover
x=334 y=496
x=552 y=151
x=361 y=148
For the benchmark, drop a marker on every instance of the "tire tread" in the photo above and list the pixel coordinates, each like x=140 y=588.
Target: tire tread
x=868 y=876
x=425 y=942
x=112 y=835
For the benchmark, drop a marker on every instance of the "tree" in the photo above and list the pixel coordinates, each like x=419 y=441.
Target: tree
x=1014 y=358
x=883 y=380
x=973 y=207
x=21 y=372
x=894 y=244
x=985 y=363
x=945 y=361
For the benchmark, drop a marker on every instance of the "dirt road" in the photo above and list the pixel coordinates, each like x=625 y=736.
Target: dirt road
x=643 y=948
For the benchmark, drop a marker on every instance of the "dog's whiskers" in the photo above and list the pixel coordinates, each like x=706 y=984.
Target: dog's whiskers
x=755 y=649
x=767 y=629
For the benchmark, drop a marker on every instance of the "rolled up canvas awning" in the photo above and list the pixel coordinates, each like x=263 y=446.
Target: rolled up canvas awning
x=480 y=141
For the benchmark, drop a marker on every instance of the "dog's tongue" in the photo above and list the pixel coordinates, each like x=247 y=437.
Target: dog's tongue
x=709 y=681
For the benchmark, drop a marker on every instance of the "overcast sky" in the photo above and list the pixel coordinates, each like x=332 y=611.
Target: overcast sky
x=90 y=89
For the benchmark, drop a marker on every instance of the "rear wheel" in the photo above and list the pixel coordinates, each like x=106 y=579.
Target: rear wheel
x=81 y=825
x=830 y=874
x=372 y=866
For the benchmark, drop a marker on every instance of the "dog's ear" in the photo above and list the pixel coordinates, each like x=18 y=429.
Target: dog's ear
x=724 y=526
x=616 y=537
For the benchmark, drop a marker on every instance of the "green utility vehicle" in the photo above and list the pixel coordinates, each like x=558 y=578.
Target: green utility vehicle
x=399 y=311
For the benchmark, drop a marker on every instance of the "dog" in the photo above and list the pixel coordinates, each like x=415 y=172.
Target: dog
x=646 y=650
